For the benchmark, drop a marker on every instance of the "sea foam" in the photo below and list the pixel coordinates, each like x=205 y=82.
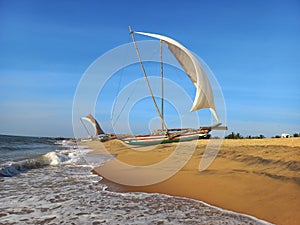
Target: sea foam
x=72 y=155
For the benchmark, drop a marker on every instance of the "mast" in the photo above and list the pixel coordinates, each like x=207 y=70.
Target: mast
x=145 y=75
x=162 y=86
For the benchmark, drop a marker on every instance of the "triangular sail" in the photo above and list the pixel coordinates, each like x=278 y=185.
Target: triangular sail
x=95 y=124
x=204 y=96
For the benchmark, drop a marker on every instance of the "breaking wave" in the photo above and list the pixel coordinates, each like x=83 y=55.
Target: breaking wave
x=73 y=155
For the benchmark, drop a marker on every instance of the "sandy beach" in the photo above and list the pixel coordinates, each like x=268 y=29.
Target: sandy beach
x=258 y=177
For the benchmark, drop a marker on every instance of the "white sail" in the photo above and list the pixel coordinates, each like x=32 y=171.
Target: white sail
x=204 y=96
x=95 y=124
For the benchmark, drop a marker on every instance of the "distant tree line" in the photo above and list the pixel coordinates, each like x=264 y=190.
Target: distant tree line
x=261 y=136
x=239 y=136
x=294 y=135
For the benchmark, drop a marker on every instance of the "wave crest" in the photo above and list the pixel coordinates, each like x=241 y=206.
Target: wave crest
x=54 y=158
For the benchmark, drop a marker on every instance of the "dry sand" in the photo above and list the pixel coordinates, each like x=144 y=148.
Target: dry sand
x=256 y=177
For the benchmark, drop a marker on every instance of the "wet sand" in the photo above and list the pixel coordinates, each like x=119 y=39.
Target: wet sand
x=256 y=177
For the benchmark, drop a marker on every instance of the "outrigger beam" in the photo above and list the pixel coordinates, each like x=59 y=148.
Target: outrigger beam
x=214 y=127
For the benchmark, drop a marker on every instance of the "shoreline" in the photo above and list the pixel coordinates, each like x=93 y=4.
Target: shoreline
x=259 y=178
x=113 y=187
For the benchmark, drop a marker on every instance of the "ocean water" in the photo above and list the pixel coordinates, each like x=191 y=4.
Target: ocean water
x=43 y=181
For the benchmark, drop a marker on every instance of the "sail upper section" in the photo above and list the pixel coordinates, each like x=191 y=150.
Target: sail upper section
x=204 y=96
x=94 y=122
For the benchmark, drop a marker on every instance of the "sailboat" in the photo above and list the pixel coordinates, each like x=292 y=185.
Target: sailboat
x=204 y=96
x=99 y=133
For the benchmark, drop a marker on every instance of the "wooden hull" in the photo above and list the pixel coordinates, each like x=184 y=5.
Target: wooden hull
x=162 y=139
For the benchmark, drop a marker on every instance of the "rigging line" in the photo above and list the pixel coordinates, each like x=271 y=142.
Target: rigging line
x=133 y=91
x=113 y=124
x=145 y=75
x=183 y=116
x=85 y=127
x=118 y=89
x=117 y=92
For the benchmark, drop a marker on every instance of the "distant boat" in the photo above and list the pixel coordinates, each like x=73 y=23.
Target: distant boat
x=204 y=96
x=99 y=133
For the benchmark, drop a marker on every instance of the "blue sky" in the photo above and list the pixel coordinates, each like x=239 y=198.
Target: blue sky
x=251 y=46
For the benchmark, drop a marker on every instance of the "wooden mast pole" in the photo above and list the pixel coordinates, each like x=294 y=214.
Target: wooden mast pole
x=145 y=75
x=162 y=86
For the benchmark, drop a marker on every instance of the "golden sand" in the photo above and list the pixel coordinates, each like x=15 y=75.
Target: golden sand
x=259 y=177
